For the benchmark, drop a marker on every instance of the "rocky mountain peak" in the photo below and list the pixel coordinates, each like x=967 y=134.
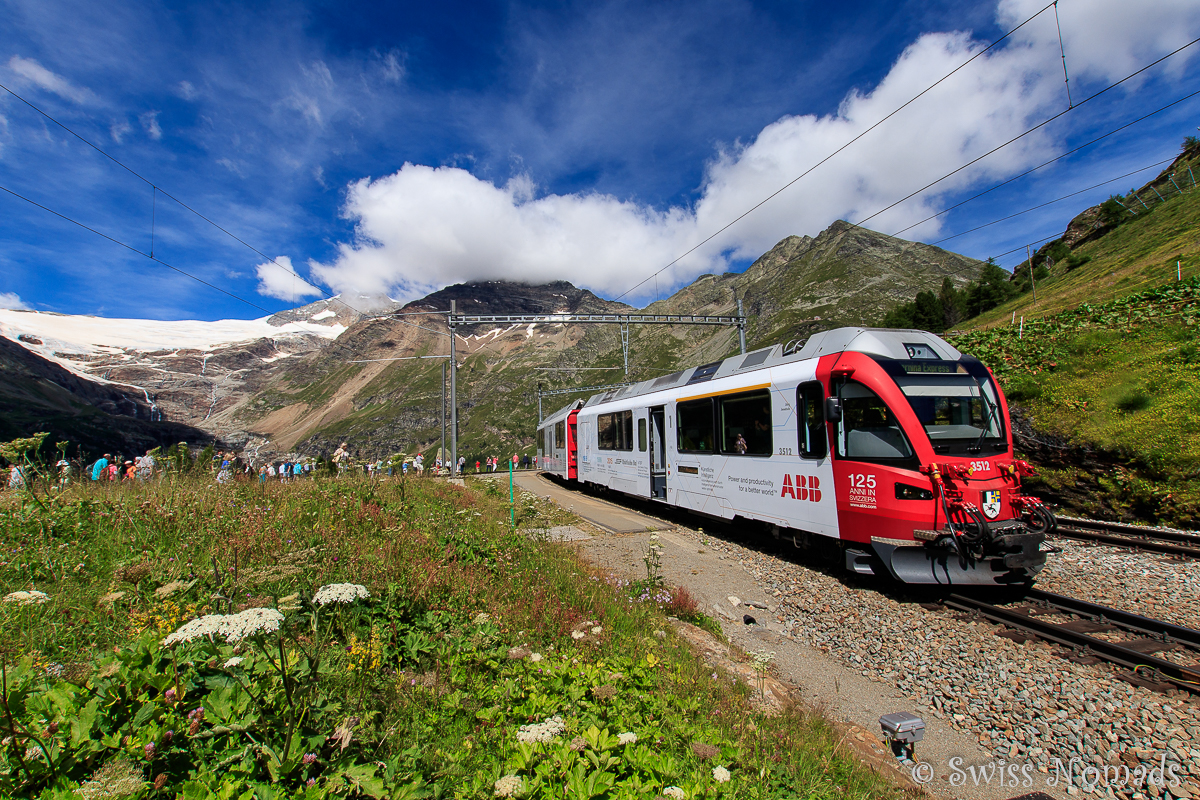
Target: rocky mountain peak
x=511 y=297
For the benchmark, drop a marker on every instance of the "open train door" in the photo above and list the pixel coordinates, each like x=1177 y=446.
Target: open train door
x=573 y=445
x=658 y=453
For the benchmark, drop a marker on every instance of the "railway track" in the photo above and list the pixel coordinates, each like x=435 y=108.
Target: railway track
x=1170 y=541
x=1131 y=642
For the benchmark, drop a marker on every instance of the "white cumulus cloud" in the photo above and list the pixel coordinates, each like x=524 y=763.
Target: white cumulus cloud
x=424 y=227
x=276 y=279
x=12 y=301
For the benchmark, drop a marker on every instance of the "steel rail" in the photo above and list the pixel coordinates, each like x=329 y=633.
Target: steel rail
x=1122 y=619
x=1123 y=528
x=1187 y=678
x=1146 y=545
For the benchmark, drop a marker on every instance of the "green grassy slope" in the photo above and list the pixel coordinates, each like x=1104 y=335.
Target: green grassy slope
x=1139 y=254
x=1112 y=392
x=406 y=616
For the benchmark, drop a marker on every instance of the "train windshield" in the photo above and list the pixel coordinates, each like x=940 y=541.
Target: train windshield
x=960 y=412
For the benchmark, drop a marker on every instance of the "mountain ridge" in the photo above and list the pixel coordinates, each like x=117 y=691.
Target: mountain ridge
x=377 y=381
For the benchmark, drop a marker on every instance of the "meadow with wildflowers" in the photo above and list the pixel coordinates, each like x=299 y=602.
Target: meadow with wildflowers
x=347 y=638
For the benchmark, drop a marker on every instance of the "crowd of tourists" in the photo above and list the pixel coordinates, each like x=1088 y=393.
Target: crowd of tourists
x=230 y=466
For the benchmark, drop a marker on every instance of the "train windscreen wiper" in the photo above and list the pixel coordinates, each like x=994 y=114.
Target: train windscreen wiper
x=986 y=423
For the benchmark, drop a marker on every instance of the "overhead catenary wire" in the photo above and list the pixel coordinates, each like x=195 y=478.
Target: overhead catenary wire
x=941 y=276
x=953 y=172
x=1051 y=202
x=1022 y=135
x=859 y=224
x=806 y=172
x=1058 y=157
x=159 y=190
x=133 y=249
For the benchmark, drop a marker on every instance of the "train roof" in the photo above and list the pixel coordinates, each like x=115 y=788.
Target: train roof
x=900 y=344
x=562 y=413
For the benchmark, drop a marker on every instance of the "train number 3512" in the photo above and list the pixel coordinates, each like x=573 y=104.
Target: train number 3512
x=981 y=466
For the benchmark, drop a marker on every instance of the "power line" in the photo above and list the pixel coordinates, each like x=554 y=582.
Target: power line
x=778 y=191
x=158 y=189
x=1027 y=132
x=942 y=276
x=1047 y=163
x=1052 y=202
x=400 y=358
x=133 y=249
x=949 y=174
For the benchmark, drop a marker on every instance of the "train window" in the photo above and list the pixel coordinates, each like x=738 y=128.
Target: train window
x=960 y=413
x=810 y=404
x=746 y=423
x=869 y=431
x=560 y=434
x=696 y=426
x=615 y=431
x=541 y=441
x=641 y=435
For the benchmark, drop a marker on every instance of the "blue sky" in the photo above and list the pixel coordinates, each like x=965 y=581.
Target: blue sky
x=399 y=149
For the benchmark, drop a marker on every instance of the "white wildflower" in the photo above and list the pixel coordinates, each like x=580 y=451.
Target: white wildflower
x=654 y=537
x=674 y=792
x=340 y=593
x=626 y=738
x=169 y=589
x=251 y=622
x=596 y=631
x=535 y=657
x=30 y=598
x=720 y=775
x=510 y=786
x=481 y=618
x=577 y=635
x=209 y=625
x=544 y=731
x=233 y=662
x=117 y=778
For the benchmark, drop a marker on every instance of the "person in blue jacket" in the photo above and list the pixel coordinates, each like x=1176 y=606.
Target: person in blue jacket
x=99 y=467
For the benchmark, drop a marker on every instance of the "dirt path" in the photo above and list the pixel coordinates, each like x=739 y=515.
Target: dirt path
x=715 y=572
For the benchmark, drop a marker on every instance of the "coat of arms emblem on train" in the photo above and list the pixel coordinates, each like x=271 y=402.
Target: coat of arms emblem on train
x=991 y=503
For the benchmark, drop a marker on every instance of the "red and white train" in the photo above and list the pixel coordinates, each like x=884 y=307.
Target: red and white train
x=890 y=443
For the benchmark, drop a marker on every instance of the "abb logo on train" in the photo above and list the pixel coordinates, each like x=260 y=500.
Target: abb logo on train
x=806 y=487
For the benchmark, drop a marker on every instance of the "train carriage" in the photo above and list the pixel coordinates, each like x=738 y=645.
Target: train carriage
x=556 y=443
x=890 y=443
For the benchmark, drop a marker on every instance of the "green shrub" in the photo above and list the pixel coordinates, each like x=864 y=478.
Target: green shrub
x=1022 y=389
x=1135 y=400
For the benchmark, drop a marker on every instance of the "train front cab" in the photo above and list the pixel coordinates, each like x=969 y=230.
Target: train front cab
x=927 y=488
